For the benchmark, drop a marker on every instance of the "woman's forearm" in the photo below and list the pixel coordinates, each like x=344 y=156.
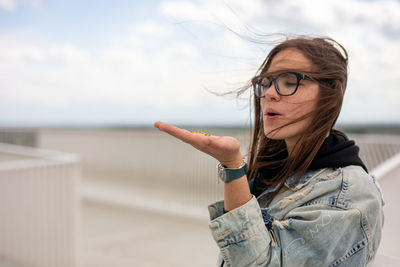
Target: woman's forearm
x=236 y=192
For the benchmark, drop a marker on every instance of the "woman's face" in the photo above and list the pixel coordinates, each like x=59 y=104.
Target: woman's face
x=289 y=108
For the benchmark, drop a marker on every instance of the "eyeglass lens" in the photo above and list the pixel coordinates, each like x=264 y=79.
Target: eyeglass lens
x=286 y=84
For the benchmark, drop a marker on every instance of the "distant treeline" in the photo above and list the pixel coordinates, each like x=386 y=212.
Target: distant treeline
x=348 y=128
x=370 y=128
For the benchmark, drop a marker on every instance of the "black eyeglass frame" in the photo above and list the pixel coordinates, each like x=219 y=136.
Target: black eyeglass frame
x=256 y=82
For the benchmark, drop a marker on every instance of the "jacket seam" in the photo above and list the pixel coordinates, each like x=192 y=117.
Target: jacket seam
x=340 y=200
x=349 y=253
x=237 y=238
x=365 y=227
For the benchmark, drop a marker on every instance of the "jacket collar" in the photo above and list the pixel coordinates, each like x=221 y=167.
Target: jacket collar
x=297 y=185
x=294 y=185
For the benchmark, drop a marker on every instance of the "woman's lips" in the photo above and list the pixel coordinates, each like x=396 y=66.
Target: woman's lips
x=272 y=117
x=271 y=114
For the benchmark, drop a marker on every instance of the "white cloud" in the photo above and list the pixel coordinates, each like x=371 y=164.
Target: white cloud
x=154 y=64
x=234 y=13
x=7 y=4
x=12 y=4
x=183 y=10
x=150 y=28
x=369 y=30
x=156 y=72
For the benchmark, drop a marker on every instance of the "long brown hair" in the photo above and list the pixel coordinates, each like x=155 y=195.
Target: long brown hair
x=329 y=60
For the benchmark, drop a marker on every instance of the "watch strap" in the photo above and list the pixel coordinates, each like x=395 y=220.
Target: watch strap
x=229 y=174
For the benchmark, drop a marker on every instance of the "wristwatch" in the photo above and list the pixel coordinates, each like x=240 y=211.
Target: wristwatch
x=228 y=174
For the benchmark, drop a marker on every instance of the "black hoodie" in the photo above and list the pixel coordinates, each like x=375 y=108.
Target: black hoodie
x=336 y=151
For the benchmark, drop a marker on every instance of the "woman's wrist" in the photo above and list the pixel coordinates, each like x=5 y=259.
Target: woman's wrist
x=235 y=163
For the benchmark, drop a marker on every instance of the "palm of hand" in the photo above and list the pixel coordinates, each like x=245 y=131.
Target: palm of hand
x=225 y=149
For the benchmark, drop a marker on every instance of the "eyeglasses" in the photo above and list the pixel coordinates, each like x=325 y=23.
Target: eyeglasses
x=286 y=83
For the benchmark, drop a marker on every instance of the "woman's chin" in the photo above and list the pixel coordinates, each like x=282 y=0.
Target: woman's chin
x=273 y=134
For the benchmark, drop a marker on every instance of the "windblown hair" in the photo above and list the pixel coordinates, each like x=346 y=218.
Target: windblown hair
x=329 y=68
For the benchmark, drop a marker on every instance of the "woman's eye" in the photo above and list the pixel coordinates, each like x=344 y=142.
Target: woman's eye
x=290 y=84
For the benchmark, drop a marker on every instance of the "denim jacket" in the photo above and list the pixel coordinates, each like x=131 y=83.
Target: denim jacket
x=330 y=217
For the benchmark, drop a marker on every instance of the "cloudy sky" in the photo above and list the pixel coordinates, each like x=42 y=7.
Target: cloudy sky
x=134 y=62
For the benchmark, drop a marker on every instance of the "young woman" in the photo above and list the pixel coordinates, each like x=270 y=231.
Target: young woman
x=304 y=197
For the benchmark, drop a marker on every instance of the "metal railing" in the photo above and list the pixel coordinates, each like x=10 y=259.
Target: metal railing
x=169 y=176
x=39 y=207
x=146 y=169
x=377 y=151
x=23 y=137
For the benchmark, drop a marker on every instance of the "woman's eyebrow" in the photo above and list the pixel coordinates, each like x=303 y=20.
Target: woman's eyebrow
x=279 y=71
x=275 y=73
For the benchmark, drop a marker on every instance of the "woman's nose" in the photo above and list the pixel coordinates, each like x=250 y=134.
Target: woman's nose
x=271 y=94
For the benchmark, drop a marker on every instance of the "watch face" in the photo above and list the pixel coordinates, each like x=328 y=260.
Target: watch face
x=222 y=175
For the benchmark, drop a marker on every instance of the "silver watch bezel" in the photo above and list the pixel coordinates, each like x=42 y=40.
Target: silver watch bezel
x=222 y=174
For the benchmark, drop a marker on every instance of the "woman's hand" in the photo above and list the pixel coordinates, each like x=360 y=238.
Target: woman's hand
x=225 y=149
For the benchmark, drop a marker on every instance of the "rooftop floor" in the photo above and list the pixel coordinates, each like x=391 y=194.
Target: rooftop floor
x=118 y=236
x=114 y=235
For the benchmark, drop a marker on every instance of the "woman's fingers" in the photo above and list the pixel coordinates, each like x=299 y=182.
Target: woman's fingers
x=224 y=149
x=182 y=134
